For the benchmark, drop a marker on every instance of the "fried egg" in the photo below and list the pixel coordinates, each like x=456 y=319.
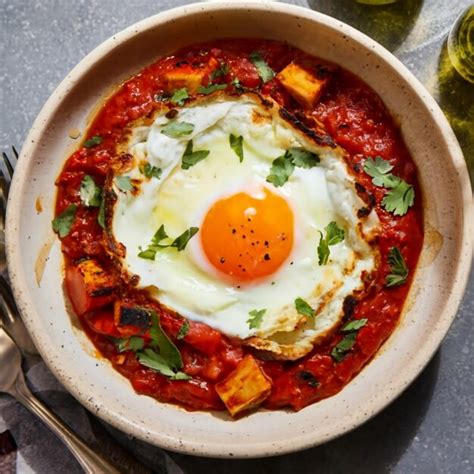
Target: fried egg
x=256 y=244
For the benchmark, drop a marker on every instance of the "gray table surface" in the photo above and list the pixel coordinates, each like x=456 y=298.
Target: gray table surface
x=430 y=428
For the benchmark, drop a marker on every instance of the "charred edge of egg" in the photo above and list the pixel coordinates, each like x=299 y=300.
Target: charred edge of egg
x=366 y=226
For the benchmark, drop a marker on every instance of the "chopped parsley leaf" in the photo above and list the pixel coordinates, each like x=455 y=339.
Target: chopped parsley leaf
x=401 y=195
x=255 y=318
x=304 y=308
x=398 y=269
x=265 y=72
x=93 y=141
x=175 y=129
x=183 y=330
x=190 y=157
x=91 y=194
x=236 y=143
x=124 y=183
x=334 y=235
x=62 y=224
x=179 y=96
x=150 y=171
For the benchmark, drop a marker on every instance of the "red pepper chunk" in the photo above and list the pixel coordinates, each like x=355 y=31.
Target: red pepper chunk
x=89 y=286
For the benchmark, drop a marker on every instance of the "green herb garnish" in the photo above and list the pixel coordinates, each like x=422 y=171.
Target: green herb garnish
x=133 y=343
x=93 y=141
x=303 y=158
x=190 y=157
x=179 y=96
x=124 y=183
x=236 y=143
x=255 y=318
x=175 y=129
x=183 y=330
x=62 y=224
x=282 y=168
x=179 y=243
x=398 y=269
x=304 y=308
x=150 y=171
x=347 y=342
x=91 y=194
x=401 y=195
x=334 y=235
x=211 y=88
x=221 y=71
x=399 y=199
x=265 y=72
x=345 y=345
x=155 y=361
x=354 y=325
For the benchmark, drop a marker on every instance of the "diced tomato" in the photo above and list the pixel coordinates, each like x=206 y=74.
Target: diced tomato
x=203 y=338
x=102 y=322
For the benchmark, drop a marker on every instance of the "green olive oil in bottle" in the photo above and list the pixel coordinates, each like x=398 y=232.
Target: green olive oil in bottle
x=461 y=45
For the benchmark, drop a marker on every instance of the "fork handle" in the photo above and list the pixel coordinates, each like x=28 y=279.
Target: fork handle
x=91 y=462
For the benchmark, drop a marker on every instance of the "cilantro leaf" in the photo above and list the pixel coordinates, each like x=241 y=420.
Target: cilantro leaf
x=168 y=361
x=101 y=215
x=124 y=183
x=151 y=359
x=340 y=351
x=398 y=269
x=265 y=72
x=282 y=168
x=133 y=343
x=334 y=235
x=160 y=235
x=150 y=171
x=303 y=158
x=191 y=158
x=236 y=143
x=255 y=318
x=62 y=224
x=354 y=325
x=211 y=88
x=304 y=308
x=221 y=71
x=179 y=96
x=147 y=254
x=401 y=196
x=93 y=141
x=91 y=194
x=399 y=199
x=323 y=250
x=379 y=170
x=175 y=129
x=181 y=241
x=183 y=330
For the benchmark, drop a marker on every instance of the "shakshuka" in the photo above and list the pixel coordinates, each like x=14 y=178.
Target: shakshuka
x=240 y=227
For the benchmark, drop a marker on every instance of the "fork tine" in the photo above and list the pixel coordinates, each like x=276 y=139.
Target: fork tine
x=8 y=165
x=14 y=160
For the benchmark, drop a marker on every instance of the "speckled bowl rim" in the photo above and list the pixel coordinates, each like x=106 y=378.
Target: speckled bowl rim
x=306 y=440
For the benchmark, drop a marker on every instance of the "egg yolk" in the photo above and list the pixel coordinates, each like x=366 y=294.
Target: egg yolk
x=247 y=236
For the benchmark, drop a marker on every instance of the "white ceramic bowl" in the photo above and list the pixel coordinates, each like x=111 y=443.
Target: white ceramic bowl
x=439 y=283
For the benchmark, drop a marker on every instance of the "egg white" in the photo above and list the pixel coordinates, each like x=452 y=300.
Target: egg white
x=186 y=282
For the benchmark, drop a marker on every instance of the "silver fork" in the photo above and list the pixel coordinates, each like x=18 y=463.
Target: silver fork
x=12 y=380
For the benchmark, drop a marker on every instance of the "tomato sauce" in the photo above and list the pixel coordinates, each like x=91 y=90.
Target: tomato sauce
x=357 y=120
